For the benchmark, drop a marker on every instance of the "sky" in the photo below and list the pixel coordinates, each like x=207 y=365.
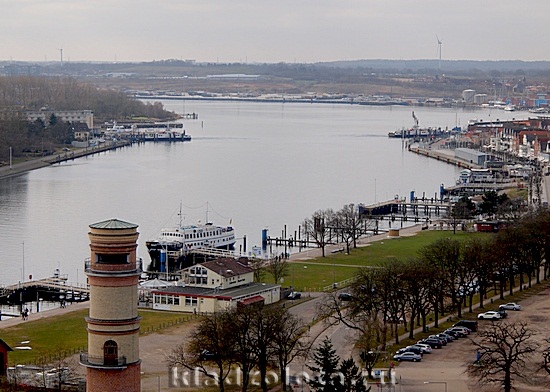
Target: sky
x=262 y=31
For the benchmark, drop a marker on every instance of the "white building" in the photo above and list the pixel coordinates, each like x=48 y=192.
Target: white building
x=213 y=286
x=71 y=116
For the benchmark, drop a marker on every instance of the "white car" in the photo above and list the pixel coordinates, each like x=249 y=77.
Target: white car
x=510 y=306
x=490 y=315
x=294 y=295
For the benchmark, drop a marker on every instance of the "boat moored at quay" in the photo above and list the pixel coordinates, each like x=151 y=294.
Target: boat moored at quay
x=171 y=250
x=156 y=132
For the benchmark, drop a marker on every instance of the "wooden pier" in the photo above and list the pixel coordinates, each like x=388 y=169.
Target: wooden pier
x=472 y=189
x=53 y=288
x=418 y=207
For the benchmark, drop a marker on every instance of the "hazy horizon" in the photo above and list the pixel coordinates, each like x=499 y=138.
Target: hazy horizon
x=246 y=31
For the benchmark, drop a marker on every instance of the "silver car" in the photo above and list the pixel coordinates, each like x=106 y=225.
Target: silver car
x=408 y=356
x=510 y=306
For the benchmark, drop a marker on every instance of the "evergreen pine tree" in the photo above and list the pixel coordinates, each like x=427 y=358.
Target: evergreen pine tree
x=351 y=377
x=325 y=377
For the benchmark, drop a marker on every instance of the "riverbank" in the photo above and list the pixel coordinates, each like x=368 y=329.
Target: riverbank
x=16 y=169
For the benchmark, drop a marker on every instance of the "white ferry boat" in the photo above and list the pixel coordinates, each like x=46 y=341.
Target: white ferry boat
x=170 y=249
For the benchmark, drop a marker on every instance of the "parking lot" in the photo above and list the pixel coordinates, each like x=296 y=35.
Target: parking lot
x=445 y=367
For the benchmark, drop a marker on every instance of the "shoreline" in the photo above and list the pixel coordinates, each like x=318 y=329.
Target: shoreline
x=17 y=169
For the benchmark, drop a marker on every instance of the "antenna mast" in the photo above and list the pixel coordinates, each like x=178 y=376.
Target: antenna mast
x=61 y=54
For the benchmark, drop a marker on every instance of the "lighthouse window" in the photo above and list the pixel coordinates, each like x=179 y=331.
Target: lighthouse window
x=112 y=258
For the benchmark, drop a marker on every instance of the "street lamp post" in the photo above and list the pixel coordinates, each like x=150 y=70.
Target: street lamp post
x=437 y=382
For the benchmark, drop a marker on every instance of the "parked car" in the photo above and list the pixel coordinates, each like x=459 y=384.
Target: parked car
x=490 y=315
x=412 y=349
x=455 y=333
x=408 y=356
x=424 y=345
x=433 y=343
x=294 y=295
x=470 y=324
x=424 y=348
x=503 y=313
x=446 y=338
x=510 y=306
x=464 y=330
x=345 y=297
x=443 y=341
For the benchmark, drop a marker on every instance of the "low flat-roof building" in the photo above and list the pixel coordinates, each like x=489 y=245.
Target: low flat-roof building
x=213 y=286
x=471 y=156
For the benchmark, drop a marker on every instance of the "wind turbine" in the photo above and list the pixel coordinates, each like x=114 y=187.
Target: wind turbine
x=439 y=43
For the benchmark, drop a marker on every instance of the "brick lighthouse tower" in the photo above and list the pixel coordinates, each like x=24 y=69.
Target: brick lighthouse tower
x=112 y=361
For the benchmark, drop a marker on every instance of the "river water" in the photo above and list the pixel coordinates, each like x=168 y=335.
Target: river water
x=255 y=165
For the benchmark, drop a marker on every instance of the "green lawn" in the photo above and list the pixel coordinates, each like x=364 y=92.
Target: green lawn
x=67 y=333
x=315 y=274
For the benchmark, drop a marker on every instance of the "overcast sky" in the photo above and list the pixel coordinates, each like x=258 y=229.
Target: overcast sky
x=303 y=31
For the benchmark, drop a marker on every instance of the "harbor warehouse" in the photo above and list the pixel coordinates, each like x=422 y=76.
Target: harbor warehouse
x=472 y=156
x=213 y=286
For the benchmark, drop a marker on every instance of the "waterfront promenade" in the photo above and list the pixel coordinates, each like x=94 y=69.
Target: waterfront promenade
x=18 y=168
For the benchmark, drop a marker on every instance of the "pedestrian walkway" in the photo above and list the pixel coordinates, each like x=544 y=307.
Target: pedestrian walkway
x=44 y=314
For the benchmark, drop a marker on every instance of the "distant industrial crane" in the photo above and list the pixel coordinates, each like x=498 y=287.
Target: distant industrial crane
x=415 y=120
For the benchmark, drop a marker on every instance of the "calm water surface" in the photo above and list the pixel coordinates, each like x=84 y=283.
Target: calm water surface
x=257 y=165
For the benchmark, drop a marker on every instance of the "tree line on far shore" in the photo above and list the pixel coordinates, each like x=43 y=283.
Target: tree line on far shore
x=18 y=94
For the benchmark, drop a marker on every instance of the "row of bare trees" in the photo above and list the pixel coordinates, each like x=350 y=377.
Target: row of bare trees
x=443 y=277
x=245 y=339
x=326 y=227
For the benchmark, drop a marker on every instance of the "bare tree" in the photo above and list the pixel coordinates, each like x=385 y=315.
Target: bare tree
x=56 y=369
x=246 y=339
x=502 y=351
x=278 y=267
x=209 y=345
x=257 y=266
x=351 y=226
x=416 y=289
x=445 y=255
x=363 y=313
x=477 y=256
x=288 y=343
x=318 y=227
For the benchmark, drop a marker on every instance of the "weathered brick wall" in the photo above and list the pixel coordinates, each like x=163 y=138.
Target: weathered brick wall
x=128 y=380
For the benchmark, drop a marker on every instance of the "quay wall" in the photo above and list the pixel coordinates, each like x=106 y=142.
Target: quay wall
x=443 y=156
